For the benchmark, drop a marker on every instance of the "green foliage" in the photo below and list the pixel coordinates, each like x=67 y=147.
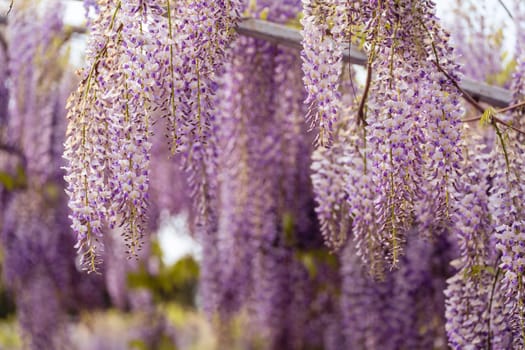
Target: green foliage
x=7 y=304
x=313 y=258
x=487 y=116
x=9 y=335
x=505 y=74
x=476 y=271
x=15 y=181
x=138 y=344
x=288 y=226
x=172 y=283
x=164 y=343
x=52 y=192
x=7 y=181
x=296 y=22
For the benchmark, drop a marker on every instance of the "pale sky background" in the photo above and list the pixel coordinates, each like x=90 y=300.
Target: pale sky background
x=174 y=235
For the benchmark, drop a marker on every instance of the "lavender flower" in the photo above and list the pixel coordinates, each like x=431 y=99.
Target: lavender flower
x=506 y=195
x=322 y=64
x=111 y=113
x=37 y=266
x=32 y=89
x=87 y=146
x=4 y=97
x=477 y=41
x=246 y=191
x=400 y=312
x=330 y=168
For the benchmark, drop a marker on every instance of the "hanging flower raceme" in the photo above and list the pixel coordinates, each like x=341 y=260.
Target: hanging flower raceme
x=264 y=202
x=407 y=134
x=322 y=64
x=398 y=133
x=476 y=311
x=247 y=203
x=32 y=89
x=36 y=267
x=205 y=30
x=142 y=58
x=507 y=195
x=402 y=311
x=4 y=97
x=87 y=147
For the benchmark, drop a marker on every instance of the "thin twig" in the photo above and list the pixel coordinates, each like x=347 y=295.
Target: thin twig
x=502 y=110
x=465 y=94
x=3 y=43
x=506 y=9
x=508 y=125
x=489 y=332
x=510 y=108
x=494 y=119
x=361 y=110
x=10 y=8
x=471 y=99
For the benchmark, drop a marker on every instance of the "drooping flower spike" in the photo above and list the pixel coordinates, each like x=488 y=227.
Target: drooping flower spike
x=141 y=60
x=409 y=148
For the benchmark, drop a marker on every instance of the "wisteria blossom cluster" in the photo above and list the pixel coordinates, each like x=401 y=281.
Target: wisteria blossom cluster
x=38 y=259
x=399 y=164
x=407 y=149
x=336 y=207
x=142 y=66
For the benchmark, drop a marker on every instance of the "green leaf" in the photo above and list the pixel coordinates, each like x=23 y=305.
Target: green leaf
x=166 y=343
x=487 y=116
x=503 y=76
x=178 y=281
x=52 y=191
x=7 y=181
x=309 y=264
x=138 y=345
x=288 y=223
x=264 y=14
x=476 y=270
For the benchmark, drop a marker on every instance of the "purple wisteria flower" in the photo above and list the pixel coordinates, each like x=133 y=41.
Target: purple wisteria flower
x=145 y=60
x=507 y=194
x=4 y=93
x=402 y=311
x=398 y=153
x=322 y=65
x=476 y=312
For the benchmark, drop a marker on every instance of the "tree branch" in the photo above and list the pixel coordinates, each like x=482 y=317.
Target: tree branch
x=465 y=94
x=506 y=8
x=361 y=110
x=493 y=118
